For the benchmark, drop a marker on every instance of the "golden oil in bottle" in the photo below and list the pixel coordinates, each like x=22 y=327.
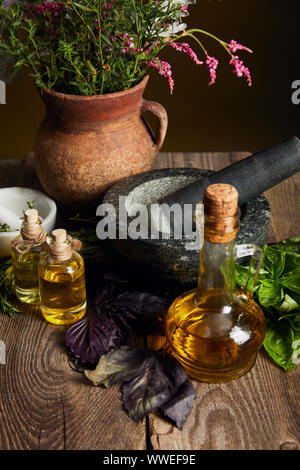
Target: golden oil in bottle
x=215 y=343
x=25 y=255
x=62 y=281
x=214 y=330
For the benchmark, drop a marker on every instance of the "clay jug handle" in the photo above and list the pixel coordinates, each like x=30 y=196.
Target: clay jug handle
x=161 y=113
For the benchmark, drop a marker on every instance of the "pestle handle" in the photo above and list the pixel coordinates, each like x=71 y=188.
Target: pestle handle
x=251 y=176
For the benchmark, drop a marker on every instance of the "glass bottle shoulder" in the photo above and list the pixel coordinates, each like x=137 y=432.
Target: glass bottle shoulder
x=72 y=267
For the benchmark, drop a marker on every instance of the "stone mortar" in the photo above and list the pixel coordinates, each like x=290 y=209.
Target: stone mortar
x=169 y=260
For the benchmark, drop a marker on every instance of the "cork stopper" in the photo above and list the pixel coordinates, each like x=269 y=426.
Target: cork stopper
x=222 y=214
x=31 y=216
x=221 y=200
x=32 y=233
x=62 y=245
x=59 y=236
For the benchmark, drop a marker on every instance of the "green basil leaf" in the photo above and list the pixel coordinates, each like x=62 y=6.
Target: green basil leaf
x=270 y=293
x=274 y=262
x=279 y=342
x=292 y=281
x=292 y=262
x=288 y=304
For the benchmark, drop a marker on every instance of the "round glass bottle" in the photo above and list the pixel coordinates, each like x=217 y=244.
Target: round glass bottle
x=62 y=281
x=25 y=253
x=215 y=330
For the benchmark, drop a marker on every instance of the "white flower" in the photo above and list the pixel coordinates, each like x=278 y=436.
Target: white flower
x=177 y=26
x=173 y=29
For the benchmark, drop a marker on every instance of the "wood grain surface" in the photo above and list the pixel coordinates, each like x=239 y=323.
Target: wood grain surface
x=44 y=404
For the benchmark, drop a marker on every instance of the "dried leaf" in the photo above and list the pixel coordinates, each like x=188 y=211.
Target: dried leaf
x=121 y=365
x=180 y=405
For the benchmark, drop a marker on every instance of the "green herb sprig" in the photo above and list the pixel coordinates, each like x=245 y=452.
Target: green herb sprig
x=278 y=293
x=4 y=228
x=6 y=289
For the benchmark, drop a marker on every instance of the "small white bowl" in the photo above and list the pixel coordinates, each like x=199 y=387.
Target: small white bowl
x=15 y=200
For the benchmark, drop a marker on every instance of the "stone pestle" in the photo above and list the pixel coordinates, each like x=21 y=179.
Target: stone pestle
x=251 y=176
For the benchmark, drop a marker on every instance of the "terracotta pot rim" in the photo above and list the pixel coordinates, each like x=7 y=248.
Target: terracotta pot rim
x=108 y=96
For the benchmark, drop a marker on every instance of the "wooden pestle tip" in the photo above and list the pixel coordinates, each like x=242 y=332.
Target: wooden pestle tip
x=220 y=200
x=31 y=216
x=59 y=236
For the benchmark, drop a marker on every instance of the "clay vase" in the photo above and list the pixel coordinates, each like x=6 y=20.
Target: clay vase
x=87 y=143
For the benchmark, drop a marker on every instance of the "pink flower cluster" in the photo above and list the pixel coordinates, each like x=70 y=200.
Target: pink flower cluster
x=164 y=70
x=128 y=43
x=212 y=64
x=234 y=46
x=240 y=70
x=53 y=7
x=185 y=47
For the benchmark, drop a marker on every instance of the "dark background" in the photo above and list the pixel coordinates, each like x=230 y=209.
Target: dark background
x=228 y=116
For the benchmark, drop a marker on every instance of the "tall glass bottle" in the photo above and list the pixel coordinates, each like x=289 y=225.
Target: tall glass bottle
x=25 y=253
x=215 y=331
x=62 y=281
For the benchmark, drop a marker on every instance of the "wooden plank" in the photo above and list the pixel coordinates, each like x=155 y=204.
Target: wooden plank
x=260 y=410
x=45 y=404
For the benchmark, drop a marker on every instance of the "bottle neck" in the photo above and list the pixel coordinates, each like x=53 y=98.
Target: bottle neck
x=216 y=274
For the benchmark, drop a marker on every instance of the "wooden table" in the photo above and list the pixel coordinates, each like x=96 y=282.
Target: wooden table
x=44 y=404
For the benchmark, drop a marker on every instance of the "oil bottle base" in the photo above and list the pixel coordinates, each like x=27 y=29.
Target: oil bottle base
x=27 y=296
x=63 y=318
x=216 y=376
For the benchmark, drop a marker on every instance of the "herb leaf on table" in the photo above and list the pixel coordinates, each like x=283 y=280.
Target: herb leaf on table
x=146 y=392
x=278 y=293
x=151 y=381
x=118 y=313
x=120 y=365
x=179 y=407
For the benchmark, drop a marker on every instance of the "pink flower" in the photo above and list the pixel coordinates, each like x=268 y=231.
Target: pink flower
x=185 y=47
x=240 y=70
x=164 y=70
x=212 y=64
x=235 y=46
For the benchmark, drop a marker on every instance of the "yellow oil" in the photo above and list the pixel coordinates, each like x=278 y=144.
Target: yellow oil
x=62 y=290
x=25 y=267
x=215 y=344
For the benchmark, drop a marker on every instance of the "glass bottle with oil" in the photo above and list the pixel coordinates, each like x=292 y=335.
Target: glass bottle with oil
x=62 y=281
x=215 y=330
x=25 y=253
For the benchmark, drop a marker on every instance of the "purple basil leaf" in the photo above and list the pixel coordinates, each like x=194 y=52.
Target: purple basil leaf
x=146 y=392
x=141 y=302
x=93 y=336
x=180 y=405
x=122 y=317
x=174 y=371
x=121 y=365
